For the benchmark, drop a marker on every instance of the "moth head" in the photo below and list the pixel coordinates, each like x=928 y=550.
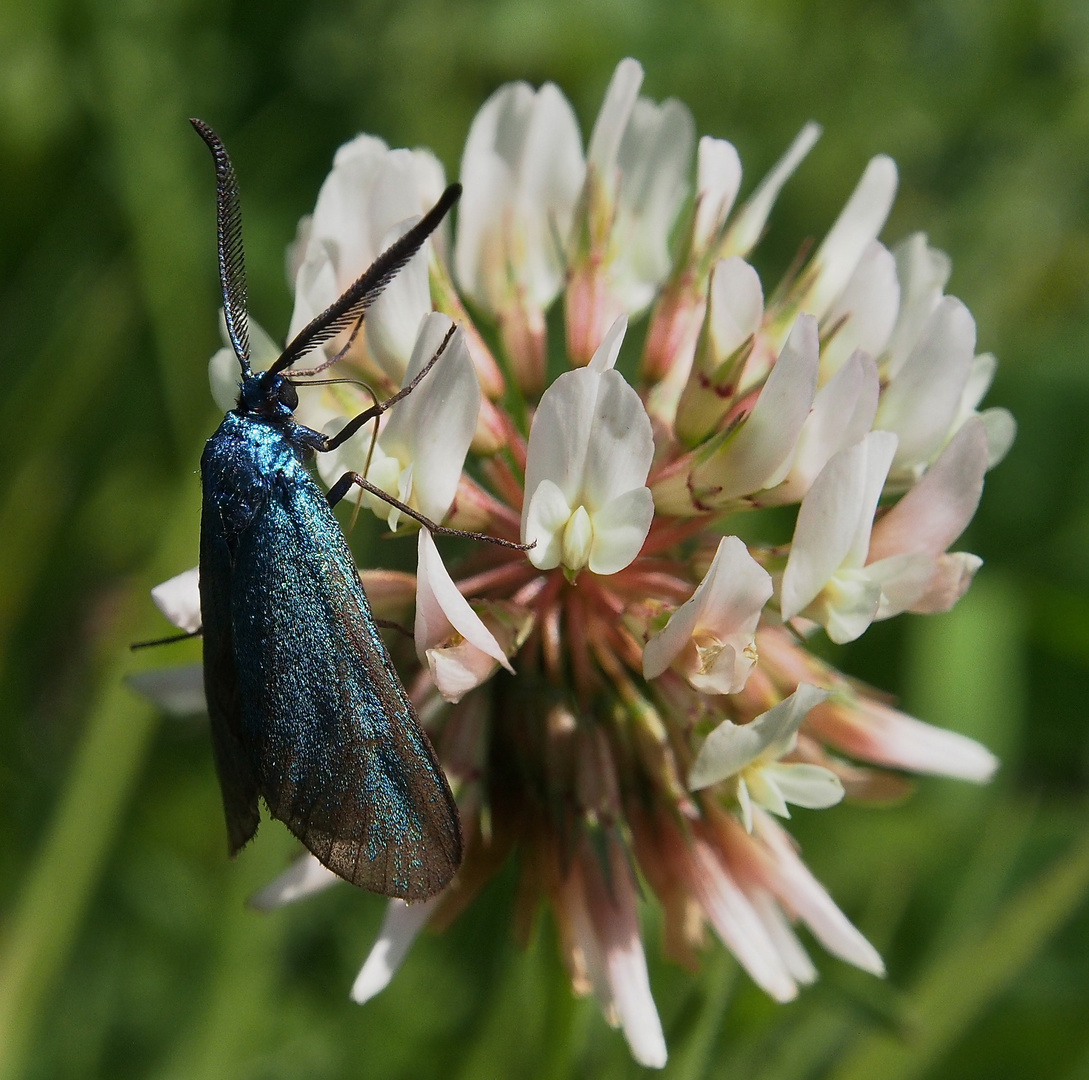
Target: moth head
x=268 y=394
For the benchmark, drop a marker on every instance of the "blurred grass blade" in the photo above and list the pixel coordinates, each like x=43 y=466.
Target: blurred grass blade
x=690 y=1056
x=45 y=922
x=964 y=980
x=237 y=1018
x=93 y=328
x=986 y=877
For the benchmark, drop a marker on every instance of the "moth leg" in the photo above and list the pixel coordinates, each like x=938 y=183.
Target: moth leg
x=331 y=442
x=341 y=487
x=167 y=640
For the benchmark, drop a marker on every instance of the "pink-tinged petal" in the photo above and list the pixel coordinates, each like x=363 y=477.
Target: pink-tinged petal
x=580 y=943
x=904 y=580
x=865 y=311
x=842 y=413
x=779 y=930
x=938 y=508
x=178 y=599
x=400 y=926
x=921 y=403
x=457 y=669
x=876 y=733
x=952 y=575
x=731 y=748
x=178 y=690
x=725 y=609
x=733 y=592
x=736 y=305
x=833 y=528
x=737 y=923
x=761 y=447
x=304 y=877
x=441 y=610
x=590 y=306
x=802 y=893
x=390 y=592
x=619 y=529
x=922 y=272
x=612 y=908
x=612 y=120
x=748 y=226
x=718 y=177
x=433 y=427
x=856 y=227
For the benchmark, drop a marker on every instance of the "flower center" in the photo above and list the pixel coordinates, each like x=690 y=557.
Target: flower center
x=578 y=536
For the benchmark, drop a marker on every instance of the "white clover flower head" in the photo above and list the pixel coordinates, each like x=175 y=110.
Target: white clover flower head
x=568 y=687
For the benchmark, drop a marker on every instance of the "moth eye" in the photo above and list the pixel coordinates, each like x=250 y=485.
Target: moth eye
x=289 y=395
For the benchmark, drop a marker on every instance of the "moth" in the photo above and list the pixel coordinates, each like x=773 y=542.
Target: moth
x=307 y=711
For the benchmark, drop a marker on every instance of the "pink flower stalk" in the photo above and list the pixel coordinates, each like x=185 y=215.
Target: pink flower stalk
x=632 y=698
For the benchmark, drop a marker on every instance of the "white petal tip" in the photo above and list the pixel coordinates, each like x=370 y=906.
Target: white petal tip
x=303 y=878
x=178 y=691
x=650 y=1057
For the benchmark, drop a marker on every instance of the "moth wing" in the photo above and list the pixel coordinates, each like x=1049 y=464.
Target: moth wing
x=236 y=778
x=339 y=754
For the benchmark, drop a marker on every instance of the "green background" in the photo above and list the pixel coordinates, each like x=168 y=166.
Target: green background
x=125 y=949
